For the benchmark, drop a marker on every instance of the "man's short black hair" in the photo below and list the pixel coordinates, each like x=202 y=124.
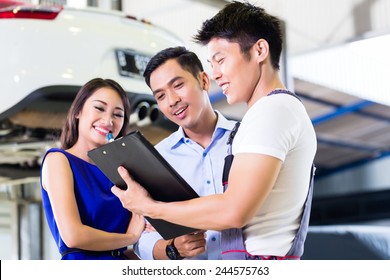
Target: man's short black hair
x=245 y=24
x=188 y=60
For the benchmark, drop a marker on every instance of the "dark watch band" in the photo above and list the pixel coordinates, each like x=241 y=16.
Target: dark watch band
x=172 y=252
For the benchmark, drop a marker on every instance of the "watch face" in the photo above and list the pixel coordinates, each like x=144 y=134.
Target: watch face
x=172 y=252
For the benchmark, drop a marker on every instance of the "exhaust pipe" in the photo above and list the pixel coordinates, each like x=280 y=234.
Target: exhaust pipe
x=158 y=119
x=154 y=113
x=140 y=113
x=146 y=114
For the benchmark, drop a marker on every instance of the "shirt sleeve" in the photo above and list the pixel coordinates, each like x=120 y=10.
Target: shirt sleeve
x=270 y=128
x=144 y=247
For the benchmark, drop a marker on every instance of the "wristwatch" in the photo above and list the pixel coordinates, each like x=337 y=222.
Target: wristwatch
x=171 y=251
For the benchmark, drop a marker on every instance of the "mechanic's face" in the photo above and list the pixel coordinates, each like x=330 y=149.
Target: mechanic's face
x=237 y=75
x=180 y=96
x=103 y=112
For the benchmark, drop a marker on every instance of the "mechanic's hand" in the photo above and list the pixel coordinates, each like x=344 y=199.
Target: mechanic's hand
x=191 y=245
x=135 y=198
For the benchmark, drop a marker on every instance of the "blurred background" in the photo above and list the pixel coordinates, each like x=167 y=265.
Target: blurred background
x=335 y=58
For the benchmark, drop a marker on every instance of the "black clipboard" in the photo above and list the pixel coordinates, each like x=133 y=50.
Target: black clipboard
x=148 y=168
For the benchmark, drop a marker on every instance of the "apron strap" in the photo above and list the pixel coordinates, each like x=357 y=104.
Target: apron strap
x=232 y=239
x=300 y=237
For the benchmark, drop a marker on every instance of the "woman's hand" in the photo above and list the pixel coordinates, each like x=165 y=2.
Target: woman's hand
x=149 y=227
x=136 y=227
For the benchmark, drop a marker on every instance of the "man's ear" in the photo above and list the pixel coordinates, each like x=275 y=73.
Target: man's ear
x=204 y=81
x=261 y=50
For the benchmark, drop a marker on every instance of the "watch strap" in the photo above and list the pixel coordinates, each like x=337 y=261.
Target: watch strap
x=171 y=251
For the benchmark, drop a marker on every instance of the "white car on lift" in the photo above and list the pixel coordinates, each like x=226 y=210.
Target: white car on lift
x=48 y=53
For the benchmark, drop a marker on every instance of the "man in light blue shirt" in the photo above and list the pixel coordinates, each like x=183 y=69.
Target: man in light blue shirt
x=196 y=150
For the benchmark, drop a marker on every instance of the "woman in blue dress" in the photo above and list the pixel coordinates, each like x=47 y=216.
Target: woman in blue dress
x=86 y=220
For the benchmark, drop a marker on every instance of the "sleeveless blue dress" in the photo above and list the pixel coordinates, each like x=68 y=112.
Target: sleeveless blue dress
x=97 y=205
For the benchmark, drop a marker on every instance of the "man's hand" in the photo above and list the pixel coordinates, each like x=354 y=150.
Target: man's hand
x=136 y=199
x=191 y=245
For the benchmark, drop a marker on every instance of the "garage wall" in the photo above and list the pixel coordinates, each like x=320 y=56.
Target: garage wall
x=369 y=177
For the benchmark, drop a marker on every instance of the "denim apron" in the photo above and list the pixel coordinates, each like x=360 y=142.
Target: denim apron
x=232 y=240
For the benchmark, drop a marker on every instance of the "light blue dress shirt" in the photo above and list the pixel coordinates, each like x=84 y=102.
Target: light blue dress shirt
x=202 y=169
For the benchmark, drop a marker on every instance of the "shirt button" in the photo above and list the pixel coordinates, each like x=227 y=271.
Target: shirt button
x=208 y=181
x=188 y=141
x=213 y=239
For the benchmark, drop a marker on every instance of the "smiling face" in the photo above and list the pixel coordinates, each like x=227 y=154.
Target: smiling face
x=180 y=96
x=102 y=112
x=237 y=74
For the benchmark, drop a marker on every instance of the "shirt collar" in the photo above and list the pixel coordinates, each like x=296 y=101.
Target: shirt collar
x=179 y=136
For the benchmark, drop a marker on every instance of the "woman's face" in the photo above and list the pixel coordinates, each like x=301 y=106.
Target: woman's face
x=103 y=112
